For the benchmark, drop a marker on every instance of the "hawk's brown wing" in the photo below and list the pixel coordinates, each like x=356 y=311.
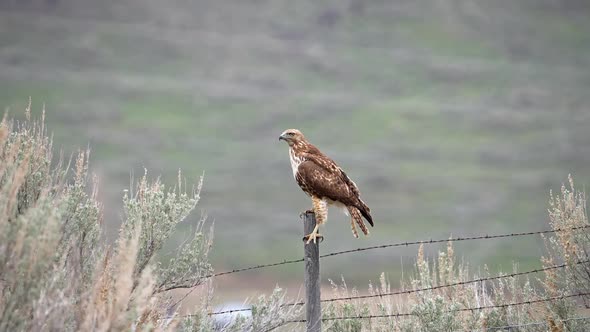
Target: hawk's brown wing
x=319 y=176
x=318 y=181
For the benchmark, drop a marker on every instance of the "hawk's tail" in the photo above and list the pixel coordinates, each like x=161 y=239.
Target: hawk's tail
x=356 y=216
x=366 y=212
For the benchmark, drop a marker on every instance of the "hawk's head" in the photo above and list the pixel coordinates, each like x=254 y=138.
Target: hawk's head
x=292 y=136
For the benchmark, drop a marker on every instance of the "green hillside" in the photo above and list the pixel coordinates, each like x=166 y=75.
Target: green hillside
x=453 y=117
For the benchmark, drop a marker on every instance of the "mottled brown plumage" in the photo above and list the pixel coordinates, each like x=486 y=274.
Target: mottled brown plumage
x=325 y=182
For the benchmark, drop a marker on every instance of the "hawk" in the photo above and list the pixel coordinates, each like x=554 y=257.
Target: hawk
x=326 y=184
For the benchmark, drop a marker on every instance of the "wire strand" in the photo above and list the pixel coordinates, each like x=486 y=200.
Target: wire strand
x=236 y=271
x=458 y=239
x=460 y=283
x=401 y=244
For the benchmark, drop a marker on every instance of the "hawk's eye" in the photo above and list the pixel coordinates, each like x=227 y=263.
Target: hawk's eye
x=290 y=134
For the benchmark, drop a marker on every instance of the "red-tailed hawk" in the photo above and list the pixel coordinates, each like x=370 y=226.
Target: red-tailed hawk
x=325 y=182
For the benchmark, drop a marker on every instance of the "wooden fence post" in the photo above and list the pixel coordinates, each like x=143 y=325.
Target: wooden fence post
x=313 y=308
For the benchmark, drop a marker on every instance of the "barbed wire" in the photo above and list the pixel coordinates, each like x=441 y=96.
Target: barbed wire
x=400 y=244
x=215 y=313
x=391 y=245
x=410 y=291
x=261 y=266
x=458 y=239
x=459 y=283
x=237 y=271
x=397 y=315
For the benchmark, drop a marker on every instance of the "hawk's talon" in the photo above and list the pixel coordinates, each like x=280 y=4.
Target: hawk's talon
x=302 y=214
x=312 y=237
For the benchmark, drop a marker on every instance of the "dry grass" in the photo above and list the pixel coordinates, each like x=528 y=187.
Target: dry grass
x=440 y=309
x=58 y=274
x=567 y=210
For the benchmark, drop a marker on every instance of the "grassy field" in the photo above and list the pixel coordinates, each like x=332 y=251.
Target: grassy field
x=453 y=117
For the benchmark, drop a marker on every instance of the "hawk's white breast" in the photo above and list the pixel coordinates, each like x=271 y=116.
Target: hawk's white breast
x=295 y=161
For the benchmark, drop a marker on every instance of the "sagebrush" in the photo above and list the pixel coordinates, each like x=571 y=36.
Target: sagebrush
x=57 y=272
x=443 y=309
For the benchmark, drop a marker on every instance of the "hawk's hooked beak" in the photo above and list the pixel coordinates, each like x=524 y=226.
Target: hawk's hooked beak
x=282 y=137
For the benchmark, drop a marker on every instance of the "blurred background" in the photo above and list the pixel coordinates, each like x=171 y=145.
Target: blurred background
x=454 y=117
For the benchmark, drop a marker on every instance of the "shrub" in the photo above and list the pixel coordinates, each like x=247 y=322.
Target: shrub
x=444 y=309
x=58 y=274
x=567 y=212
